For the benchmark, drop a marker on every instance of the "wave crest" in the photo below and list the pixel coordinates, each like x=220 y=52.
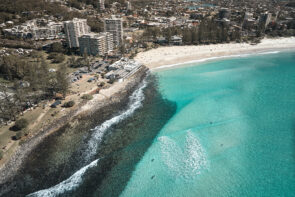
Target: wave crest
x=67 y=185
x=135 y=102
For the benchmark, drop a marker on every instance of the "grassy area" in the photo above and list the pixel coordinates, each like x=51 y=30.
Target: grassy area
x=4 y=81
x=7 y=144
x=6 y=134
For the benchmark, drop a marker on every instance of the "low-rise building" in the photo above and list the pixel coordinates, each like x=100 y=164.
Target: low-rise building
x=176 y=40
x=123 y=69
x=31 y=30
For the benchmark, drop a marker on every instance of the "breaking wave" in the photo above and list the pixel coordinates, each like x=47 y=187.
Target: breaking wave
x=67 y=185
x=186 y=162
x=269 y=52
x=215 y=58
x=135 y=102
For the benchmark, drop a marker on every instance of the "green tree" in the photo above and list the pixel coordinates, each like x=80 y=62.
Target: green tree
x=87 y=97
x=195 y=36
x=187 y=36
x=45 y=78
x=56 y=57
x=168 y=34
x=62 y=80
x=8 y=106
x=69 y=104
x=57 y=47
x=95 y=24
x=122 y=48
x=21 y=124
x=1 y=154
x=18 y=135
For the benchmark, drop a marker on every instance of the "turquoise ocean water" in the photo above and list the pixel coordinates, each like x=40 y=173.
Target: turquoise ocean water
x=233 y=133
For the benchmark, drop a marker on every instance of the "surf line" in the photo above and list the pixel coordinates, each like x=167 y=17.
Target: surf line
x=74 y=181
x=135 y=102
x=214 y=58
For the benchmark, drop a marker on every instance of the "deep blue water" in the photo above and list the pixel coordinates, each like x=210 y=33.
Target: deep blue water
x=233 y=133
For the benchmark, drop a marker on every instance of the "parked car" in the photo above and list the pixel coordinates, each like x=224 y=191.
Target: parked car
x=55 y=104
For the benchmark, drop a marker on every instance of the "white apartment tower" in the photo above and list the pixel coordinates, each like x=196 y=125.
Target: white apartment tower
x=115 y=27
x=128 y=5
x=101 y=5
x=74 y=29
x=96 y=44
x=265 y=19
x=109 y=43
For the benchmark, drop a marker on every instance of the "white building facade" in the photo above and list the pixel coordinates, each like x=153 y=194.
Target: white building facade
x=31 y=30
x=96 y=44
x=101 y=5
x=115 y=27
x=74 y=29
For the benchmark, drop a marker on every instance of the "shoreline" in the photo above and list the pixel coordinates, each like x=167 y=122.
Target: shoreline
x=175 y=56
x=112 y=152
x=108 y=98
x=204 y=60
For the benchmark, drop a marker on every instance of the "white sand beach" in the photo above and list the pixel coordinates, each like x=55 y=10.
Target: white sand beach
x=175 y=55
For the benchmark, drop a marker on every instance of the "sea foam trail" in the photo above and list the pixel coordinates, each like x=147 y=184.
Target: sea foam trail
x=135 y=102
x=67 y=185
x=269 y=52
x=215 y=58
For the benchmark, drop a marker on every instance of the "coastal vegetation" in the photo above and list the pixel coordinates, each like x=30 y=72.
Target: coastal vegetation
x=23 y=10
x=18 y=135
x=87 y=97
x=56 y=57
x=30 y=81
x=69 y=104
x=20 y=124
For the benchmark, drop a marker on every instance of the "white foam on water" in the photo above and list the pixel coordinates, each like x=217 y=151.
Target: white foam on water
x=196 y=160
x=269 y=52
x=67 y=185
x=214 y=58
x=172 y=154
x=76 y=179
x=135 y=102
x=186 y=162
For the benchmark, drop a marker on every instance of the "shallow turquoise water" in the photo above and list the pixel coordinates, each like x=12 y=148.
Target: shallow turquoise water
x=233 y=133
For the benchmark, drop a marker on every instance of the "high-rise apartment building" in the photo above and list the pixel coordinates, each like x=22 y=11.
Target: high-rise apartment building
x=128 y=5
x=224 y=13
x=265 y=19
x=101 y=5
x=74 y=29
x=109 y=43
x=96 y=44
x=115 y=27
